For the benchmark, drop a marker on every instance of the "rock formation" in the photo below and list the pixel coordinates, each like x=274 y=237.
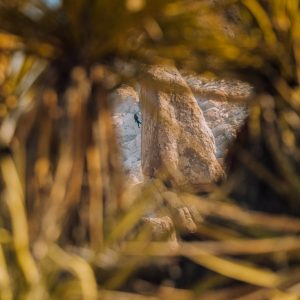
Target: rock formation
x=224 y=108
x=175 y=137
x=222 y=105
x=129 y=134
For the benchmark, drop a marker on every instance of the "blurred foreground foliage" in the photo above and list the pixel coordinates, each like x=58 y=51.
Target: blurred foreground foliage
x=66 y=230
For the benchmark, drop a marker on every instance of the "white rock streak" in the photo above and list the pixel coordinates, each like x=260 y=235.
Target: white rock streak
x=126 y=104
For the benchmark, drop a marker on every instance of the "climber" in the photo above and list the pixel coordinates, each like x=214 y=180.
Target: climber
x=136 y=119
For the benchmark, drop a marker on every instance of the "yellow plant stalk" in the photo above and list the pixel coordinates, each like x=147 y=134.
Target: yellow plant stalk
x=15 y=202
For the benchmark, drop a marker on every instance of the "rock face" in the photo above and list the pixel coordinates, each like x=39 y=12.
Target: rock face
x=224 y=108
x=125 y=106
x=220 y=102
x=224 y=119
x=175 y=137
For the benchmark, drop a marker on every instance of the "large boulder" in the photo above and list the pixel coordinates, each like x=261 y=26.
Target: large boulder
x=176 y=140
x=223 y=104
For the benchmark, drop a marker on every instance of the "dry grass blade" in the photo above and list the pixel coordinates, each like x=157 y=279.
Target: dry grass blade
x=9 y=42
x=253 y=247
x=263 y=20
x=52 y=220
x=96 y=205
x=120 y=277
x=145 y=202
x=228 y=292
x=224 y=247
x=114 y=295
x=238 y=270
x=15 y=203
x=271 y=294
x=5 y=283
x=231 y=268
x=79 y=267
x=214 y=207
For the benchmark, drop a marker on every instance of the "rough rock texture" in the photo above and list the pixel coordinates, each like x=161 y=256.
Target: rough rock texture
x=175 y=137
x=125 y=106
x=224 y=119
x=219 y=100
x=220 y=90
x=223 y=105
